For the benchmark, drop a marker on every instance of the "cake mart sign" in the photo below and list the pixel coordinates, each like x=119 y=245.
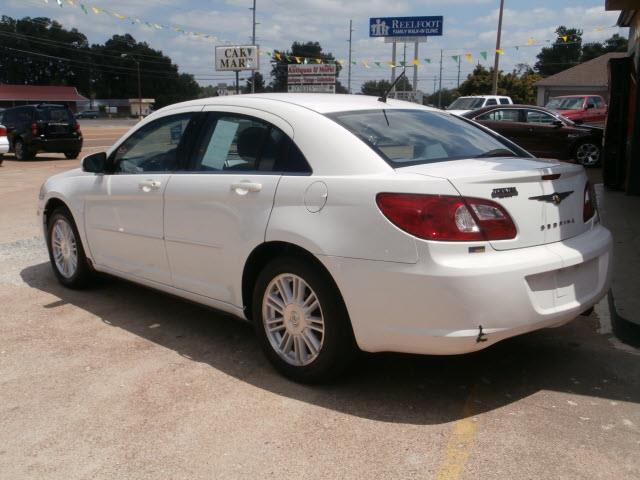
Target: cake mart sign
x=237 y=57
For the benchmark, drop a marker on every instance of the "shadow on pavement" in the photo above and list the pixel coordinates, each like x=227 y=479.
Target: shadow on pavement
x=386 y=387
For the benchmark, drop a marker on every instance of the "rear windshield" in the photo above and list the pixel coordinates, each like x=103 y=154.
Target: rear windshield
x=466 y=103
x=412 y=137
x=55 y=115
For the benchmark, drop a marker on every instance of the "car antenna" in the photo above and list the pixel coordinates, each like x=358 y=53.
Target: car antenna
x=384 y=96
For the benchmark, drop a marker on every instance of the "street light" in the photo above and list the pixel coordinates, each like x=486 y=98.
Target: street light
x=139 y=87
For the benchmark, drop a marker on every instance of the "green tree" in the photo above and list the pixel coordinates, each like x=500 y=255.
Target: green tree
x=615 y=43
x=445 y=96
x=283 y=58
x=564 y=53
x=518 y=84
x=378 y=87
x=260 y=85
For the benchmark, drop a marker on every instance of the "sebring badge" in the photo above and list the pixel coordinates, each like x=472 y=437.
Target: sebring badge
x=504 y=192
x=554 y=198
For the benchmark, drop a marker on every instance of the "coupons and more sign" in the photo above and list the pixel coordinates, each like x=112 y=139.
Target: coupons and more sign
x=237 y=57
x=311 y=78
x=405 y=26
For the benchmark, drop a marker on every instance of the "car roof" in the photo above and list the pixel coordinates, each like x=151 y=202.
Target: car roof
x=318 y=102
x=576 y=96
x=511 y=106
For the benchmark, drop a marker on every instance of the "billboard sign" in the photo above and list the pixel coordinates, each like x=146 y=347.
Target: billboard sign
x=237 y=57
x=402 y=27
x=311 y=78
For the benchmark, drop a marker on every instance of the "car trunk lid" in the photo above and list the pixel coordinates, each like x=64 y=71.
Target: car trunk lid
x=544 y=199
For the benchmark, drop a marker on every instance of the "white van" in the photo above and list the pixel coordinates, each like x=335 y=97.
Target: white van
x=465 y=104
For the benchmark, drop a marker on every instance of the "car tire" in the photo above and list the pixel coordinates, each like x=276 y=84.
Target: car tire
x=71 y=155
x=304 y=342
x=588 y=153
x=68 y=260
x=21 y=151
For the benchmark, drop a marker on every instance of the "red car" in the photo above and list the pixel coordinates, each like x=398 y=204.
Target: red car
x=590 y=109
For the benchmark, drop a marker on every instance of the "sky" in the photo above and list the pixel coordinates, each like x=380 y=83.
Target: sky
x=469 y=27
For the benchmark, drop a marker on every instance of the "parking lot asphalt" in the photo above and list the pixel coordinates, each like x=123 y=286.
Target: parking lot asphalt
x=123 y=382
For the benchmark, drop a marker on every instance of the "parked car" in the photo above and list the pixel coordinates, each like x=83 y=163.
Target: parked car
x=4 y=142
x=335 y=223
x=588 y=109
x=88 y=114
x=543 y=132
x=42 y=128
x=463 y=105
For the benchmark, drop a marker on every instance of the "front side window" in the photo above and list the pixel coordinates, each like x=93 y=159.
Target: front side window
x=241 y=143
x=535 y=116
x=566 y=103
x=153 y=147
x=410 y=137
x=491 y=101
x=502 y=115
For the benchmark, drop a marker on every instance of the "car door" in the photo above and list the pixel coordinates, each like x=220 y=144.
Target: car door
x=548 y=139
x=217 y=211
x=124 y=212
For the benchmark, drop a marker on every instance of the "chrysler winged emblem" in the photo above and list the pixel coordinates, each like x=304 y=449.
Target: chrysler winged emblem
x=554 y=198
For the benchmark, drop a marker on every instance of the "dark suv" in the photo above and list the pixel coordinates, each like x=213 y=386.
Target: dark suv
x=42 y=128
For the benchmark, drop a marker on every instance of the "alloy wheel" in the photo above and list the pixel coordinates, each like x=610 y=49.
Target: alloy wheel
x=588 y=154
x=293 y=319
x=64 y=248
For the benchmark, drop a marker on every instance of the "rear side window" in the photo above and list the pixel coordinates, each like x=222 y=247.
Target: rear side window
x=410 y=137
x=241 y=143
x=502 y=115
x=504 y=101
x=491 y=101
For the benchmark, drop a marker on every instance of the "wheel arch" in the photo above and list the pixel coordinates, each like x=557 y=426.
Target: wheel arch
x=262 y=255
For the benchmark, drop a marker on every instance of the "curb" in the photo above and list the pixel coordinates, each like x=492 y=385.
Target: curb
x=624 y=330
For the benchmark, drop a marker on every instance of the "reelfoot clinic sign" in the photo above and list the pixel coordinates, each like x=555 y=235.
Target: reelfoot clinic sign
x=237 y=57
x=405 y=26
x=311 y=78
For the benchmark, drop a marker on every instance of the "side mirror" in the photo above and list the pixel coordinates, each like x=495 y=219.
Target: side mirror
x=557 y=123
x=590 y=106
x=95 y=163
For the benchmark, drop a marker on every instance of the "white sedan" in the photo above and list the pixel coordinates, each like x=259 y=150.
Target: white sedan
x=4 y=142
x=335 y=222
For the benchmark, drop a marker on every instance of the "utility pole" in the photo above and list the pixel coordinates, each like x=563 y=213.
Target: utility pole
x=415 y=71
x=496 y=62
x=124 y=55
x=349 y=69
x=253 y=42
x=393 y=61
x=459 y=58
x=440 y=87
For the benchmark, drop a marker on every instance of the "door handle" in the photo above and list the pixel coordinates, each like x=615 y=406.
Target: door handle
x=148 y=185
x=242 y=188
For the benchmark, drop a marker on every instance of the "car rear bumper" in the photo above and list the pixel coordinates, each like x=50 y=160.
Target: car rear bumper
x=55 y=145
x=437 y=305
x=4 y=145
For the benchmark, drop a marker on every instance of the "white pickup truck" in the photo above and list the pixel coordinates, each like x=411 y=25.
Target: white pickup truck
x=465 y=104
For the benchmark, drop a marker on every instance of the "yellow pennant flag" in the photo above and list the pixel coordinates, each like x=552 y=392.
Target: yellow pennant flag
x=565 y=37
x=415 y=61
x=391 y=64
x=318 y=60
x=341 y=62
x=531 y=41
x=118 y=16
x=468 y=57
x=278 y=56
x=298 y=60
x=96 y=10
x=365 y=63
x=599 y=29
x=500 y=51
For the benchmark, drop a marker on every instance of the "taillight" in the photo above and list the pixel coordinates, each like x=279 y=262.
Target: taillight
x=589 y=208
x=34 y=128
x=76 y=127
x=3 y=132
x=447 y=218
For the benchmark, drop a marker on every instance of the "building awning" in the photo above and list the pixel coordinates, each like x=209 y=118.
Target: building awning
x=39 y=93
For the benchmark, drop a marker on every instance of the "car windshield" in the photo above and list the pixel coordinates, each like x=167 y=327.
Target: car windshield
x=466 y=103
x=55 y=115
x=411 y=137
x=567 y=103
